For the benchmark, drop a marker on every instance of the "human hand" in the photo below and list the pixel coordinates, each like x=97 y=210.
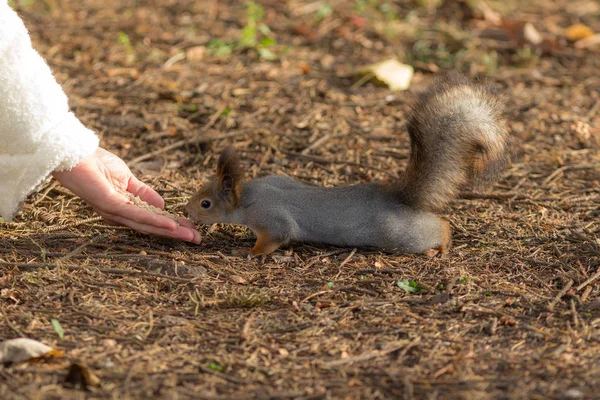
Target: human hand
x=100 y=179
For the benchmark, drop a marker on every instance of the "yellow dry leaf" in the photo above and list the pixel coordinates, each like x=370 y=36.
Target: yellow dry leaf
x=578 y=32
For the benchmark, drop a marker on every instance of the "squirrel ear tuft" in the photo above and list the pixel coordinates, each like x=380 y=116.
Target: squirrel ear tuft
x=230 y=175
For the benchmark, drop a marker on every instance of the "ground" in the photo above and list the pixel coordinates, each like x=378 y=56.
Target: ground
x=510 y=312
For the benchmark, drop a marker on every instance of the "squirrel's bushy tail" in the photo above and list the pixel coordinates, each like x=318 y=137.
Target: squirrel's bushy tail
x=458 y=135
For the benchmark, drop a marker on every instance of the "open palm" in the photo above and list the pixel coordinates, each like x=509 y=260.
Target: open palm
x=100 y=181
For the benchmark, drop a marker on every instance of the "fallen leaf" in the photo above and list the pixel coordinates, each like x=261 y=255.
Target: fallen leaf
x=195 y=53
x=58 y=328
x=588 y=42
x=239 y=280
x=131 y=72
x=522 y=33
x=394 y=74
x=578 y=31
x=303 y=30
x=324 y=304
x=358 y=21
x=531 y=34
x=23 y=349
x=488 y=14
x=408 y=286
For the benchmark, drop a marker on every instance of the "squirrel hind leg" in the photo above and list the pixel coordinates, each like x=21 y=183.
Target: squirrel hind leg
x=442 y=249
x=265 y=244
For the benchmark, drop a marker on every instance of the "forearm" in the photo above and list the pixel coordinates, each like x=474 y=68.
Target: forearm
x=38 y=134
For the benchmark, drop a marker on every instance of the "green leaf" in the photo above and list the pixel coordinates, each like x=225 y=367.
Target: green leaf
x=267 y=54
x=324 y=11
x=219 y=47
x=268 y=42
x=329 y=285
x=248 y=38
x=215 y=367
x=254 y=12
x=264 y=29
x=57 y=328
x=226 y=112
x=408 y=286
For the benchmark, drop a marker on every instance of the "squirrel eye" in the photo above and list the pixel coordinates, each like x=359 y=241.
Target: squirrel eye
x=205 y=204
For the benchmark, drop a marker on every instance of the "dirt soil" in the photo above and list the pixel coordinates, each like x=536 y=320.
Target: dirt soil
x=511 y=312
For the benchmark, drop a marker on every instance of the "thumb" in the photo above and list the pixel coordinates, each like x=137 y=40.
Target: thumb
x=145 y=192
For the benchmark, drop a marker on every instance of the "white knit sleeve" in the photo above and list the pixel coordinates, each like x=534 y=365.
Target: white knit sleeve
x=38 y=134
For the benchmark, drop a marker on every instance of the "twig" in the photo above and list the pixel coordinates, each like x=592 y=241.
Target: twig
x=314 y=295
x=316 y=143
x=78 y=249
x=560 y=294
x=574 y=313
x=43 y=195
x=362 y=80
x=344 y=263
x=568 y=168
x=246 y=329
x=226 y=377
x=10 y=325
x=323 y=160
x=34 y=266
x=586 y=293
x=73 y=224
x=592 y=279
x=181 y=143
x=373 y=354
x=493 y=326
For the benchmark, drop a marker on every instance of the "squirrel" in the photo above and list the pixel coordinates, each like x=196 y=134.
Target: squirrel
x=458 y=135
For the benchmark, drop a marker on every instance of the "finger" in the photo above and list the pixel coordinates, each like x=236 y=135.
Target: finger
x=145 y=192
x=186 y=222
x=181 y=233
x=137 y=214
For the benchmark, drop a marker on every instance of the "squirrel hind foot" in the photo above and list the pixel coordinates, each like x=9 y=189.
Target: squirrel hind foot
x=442 y=249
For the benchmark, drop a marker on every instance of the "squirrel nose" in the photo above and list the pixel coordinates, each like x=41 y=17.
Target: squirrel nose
x=188 y=211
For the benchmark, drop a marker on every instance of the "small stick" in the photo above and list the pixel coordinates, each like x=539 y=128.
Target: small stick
x=78 y=249
x=362 y=80
x=246 y=329
x=592 y=279
x=316 y=144
x=568 y=168
x=345 y=262
x=323 y=160
x=10 y=325
x=560 y=294
x=34 y=266
x=73 y=224
x=493 y=326
x=314 y=295
x=181 y=143
x=43 y=196
x=586 y=293
x=574 y=313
